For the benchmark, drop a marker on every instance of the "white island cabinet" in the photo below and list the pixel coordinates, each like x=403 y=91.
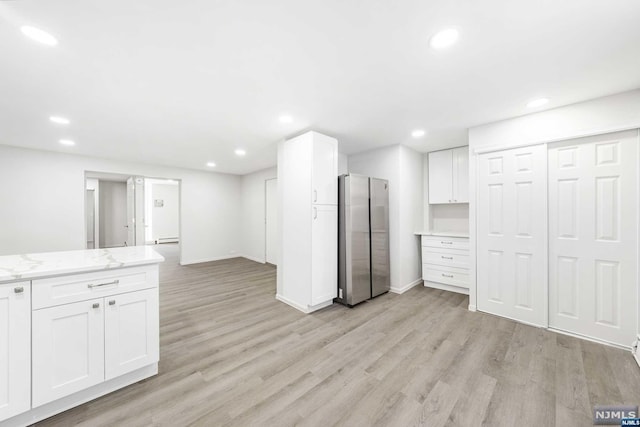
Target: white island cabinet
x=77 y=325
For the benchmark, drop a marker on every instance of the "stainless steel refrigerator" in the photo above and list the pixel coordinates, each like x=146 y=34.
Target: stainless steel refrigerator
x=363 y=238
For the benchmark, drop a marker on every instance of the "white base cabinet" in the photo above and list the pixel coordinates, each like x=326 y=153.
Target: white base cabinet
x=131 y=332
x=445 y=262
x=68 y=349
x=73 y=338
x=15 y=349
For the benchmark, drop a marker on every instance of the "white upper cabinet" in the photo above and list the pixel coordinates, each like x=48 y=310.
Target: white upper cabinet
x=449 y=176
x=460 y=175
x=15 y=348
x=324 y=170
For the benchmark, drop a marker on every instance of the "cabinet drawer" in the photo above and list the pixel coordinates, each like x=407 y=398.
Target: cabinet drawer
x=450 y=258
x=448 y=275
x=445 y=242
x=82 y=287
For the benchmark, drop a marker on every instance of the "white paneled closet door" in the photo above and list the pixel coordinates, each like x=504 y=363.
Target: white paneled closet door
x=512 y=234
x=593 y=236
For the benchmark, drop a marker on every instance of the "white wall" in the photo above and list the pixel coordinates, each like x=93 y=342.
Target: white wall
x=402 y=167
x=411 y=182
x=253 y=211
x=165 y=220
x=113 y=214
x=45 y=208
x=598 y=116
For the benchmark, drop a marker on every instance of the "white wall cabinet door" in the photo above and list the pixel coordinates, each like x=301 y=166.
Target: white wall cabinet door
x=68 y=349
x=325 y=171
x=460 y=175
x=131 y=332
x=324 y=247
x=441 y=177
x=512 y=234
x=593 y=236
x=15 y=349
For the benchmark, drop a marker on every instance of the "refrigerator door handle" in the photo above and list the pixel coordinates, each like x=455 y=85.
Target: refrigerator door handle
x=315 y=213
x=315 y=196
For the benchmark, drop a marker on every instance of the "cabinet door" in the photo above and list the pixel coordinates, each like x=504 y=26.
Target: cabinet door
x=324 y=254
x=68 y=349
x=461 y=175
x=15 y=349
x=325 y=171
x=131 y=332
x=441 y=177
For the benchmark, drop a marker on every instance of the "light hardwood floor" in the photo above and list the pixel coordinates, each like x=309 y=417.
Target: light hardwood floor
x=233 y=355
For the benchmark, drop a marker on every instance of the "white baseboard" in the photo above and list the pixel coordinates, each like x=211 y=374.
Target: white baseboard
x=200 y=261
x=306 y=309
x=406 y=287
x=445 y=287
x=472 y=307
x=49 y=409
x=634 y=350
x=254 y=259
x=584 y=337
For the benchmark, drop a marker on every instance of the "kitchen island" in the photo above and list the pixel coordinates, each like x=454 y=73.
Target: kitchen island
x=77 y=325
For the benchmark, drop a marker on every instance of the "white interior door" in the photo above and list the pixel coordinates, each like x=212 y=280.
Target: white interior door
x=271 y=221
x=512 y=234
x=593 y=236
x=131 y=212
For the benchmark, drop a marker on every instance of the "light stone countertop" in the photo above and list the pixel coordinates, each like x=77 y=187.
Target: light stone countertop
x=33 y=266
x=443 y=234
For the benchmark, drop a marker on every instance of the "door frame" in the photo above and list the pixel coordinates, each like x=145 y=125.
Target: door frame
x=266 y=232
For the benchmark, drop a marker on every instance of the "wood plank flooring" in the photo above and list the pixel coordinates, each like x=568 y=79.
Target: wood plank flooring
x=231 y=355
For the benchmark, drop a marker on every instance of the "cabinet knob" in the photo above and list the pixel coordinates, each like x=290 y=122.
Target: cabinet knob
x=112 y=302
x=96 y=305
x=18 y=290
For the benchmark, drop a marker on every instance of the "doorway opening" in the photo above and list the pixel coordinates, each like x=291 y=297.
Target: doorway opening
x=125 y=210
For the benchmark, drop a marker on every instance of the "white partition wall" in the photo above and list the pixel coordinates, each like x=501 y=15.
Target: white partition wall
x=593 y=187
x=511 y=236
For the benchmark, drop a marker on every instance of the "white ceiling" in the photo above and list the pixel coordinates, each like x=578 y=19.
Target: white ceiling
x=185 y=82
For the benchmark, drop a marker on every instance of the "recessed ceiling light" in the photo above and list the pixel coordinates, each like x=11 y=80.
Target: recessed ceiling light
x=211 y=164
x=286 y=119
x=444 y=38
x=59 y=120
x=67 y=142
x=418 y=133
x=537 y=102
x=240 y=152
x=39 y=35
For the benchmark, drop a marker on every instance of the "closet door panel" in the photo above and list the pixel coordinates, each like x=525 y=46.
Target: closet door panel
x=512 y=231
x=593 y=236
